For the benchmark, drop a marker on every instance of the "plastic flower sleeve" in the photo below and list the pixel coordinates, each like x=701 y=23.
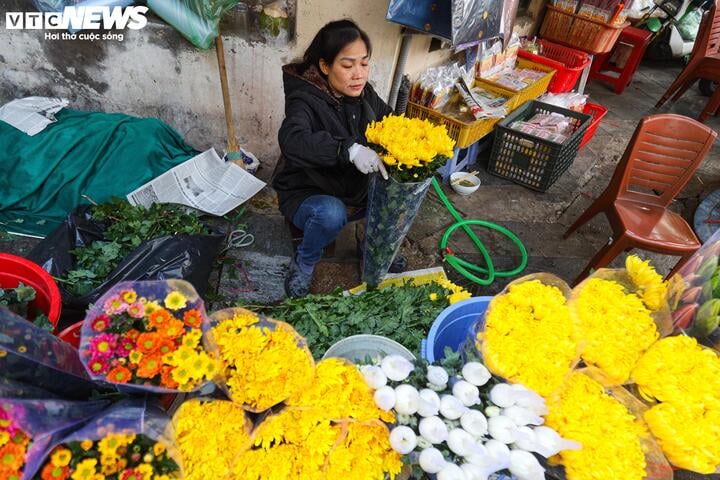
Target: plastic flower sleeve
x=391 y=210
x=33 y=424
x=14 y=389
x=626 y=451
x=614 y=321
x=210 y=434
x=696 y=299
x=149 y=337
x=527 y=334
x=264 y=361
x=34 y=357
x=131 y=437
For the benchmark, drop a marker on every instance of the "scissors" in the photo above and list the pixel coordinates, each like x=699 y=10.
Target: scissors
x=240 y=238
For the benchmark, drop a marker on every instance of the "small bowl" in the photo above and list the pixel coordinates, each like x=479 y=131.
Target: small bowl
x=462 y=189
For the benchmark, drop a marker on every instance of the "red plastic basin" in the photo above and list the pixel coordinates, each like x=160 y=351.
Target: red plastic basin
x=14 y=270
x=71 y=334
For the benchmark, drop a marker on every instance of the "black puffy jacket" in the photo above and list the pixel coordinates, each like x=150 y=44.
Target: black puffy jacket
x=315 y=136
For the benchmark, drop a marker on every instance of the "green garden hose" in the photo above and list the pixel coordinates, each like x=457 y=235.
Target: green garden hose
x=465 y=268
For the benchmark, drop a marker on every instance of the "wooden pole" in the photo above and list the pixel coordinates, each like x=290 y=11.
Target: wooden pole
x=232 y=141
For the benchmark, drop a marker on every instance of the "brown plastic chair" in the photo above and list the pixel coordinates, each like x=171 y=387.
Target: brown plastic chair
x=704 y=63
x=660 y=159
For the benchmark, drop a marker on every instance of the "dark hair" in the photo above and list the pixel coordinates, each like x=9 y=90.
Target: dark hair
x=332 y=38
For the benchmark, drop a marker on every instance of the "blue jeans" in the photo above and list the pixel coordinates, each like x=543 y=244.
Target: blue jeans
x=321 y=218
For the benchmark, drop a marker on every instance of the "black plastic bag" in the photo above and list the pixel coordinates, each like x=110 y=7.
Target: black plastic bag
x=186 y=257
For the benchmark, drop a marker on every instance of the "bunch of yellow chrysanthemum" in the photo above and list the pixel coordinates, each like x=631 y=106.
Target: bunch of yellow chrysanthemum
x=409 y=143
x=613 y=327
x=685 y=377
x=650 y=284
x=610 y=435
x=210 y=436
x=265 y=362
x=332 y=429
x=528 y=336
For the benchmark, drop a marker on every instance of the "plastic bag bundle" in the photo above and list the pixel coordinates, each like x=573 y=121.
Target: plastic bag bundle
x=264 y=361
x=619 y=314
x=527 y=334
x=27 y=427
x=33 y=358
x=695 y=295
x=196 y=20
x=131 y=438
x=149 y=337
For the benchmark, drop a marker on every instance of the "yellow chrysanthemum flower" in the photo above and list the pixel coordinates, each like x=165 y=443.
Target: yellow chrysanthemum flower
x=615 y=328
x=529 y=336
x=175 y=300
x=610 y=435
x=61 y=457
x=85 y=470
x=651 y=287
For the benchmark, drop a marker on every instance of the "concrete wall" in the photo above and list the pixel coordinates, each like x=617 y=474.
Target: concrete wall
x=156 y=72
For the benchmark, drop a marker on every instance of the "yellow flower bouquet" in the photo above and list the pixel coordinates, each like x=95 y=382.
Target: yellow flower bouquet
x=619 y=314
x=411 y=148
x=607 y=421
x=264 y=361
x=210 y=433
x=528 y=333
x=685 y=377
x=332 y=429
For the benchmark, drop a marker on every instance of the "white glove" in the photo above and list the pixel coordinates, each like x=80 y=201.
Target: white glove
x=366 y=160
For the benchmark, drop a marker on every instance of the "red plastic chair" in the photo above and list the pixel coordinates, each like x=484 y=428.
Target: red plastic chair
x=704 y=63
x=638 y=40
x=660 y=159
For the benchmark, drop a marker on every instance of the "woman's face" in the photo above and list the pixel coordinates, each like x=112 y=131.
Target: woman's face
x=348 y=73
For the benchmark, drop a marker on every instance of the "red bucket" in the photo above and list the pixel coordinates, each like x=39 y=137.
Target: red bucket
x=71 y=334
x=14 y=270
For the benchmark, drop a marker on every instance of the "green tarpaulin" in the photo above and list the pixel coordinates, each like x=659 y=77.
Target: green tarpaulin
x=99 y=155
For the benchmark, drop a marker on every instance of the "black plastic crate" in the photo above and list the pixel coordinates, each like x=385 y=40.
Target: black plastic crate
x=533 y=161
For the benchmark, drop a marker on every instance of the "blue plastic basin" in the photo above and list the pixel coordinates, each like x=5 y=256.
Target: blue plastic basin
x=451 y=327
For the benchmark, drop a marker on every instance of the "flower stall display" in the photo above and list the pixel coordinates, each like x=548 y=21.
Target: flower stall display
x=620 y=314
x=264 y=361
x=412 y=149
x=148 y=336
x=696 y=299
x=27 y=426
x=684 y=378
x=607 y=422
x=210 y=433
x=331 y=429
x=131 y=440
x=457 y=422
x=527 y=335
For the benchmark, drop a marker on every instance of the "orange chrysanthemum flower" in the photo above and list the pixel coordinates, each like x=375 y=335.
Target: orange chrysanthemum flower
x=119 y=374
x=166 y=346
x=148 y=342
x=132 y=334
x=172 y=329
x=166 y=377
x=51 y=472
x=159 y=317
x=12 y=456
x=192 y=318
x=150 y=366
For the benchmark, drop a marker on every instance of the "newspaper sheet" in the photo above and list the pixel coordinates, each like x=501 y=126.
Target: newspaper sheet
x=32 y=114
x=204 y=182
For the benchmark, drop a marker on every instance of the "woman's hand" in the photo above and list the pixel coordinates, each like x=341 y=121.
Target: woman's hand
x=366 y=160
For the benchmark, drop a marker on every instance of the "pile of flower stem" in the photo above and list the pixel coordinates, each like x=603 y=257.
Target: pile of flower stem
x=127 y=227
